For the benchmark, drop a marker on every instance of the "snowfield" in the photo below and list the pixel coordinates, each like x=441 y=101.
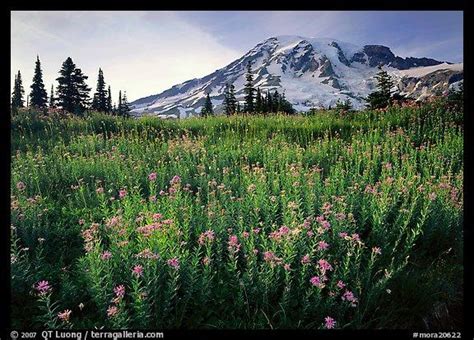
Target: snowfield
x=311 y=72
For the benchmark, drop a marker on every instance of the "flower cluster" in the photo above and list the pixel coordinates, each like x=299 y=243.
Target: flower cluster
x=174 y=263
x=233 y=244
x=207 y=236
x=43 y=287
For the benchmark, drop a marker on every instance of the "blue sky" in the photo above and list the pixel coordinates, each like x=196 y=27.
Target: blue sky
x=145 y=53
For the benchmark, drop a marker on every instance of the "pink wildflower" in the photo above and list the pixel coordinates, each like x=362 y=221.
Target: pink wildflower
x=206 y=236
x=324 y=265
x=329 y=322
x=305 y=259
x=275 y=235
x=152 y=177
x=157 y=216
x=175 y=180
x=99 y=190
x=343 y=234
x=245 y=234
x=21 y=186
x=112 y=311
x=284 y=230
x=327 y=208
x=287 y=267
x=268 y=256
x=377 y=250
x=340 y=284
x=356 y=237
x=174 y=262
x=64 y=315
x=122 y=193
x=326 y=225
x=316 y=281
x=147 y=254
x=233 y=243
x=43 y=287
x=106 y=255
x=119 y=291
x=206 y=260
x=147 y=230
x=113 y=221
x=138 y=270
x=349 y=296
x=322 y=245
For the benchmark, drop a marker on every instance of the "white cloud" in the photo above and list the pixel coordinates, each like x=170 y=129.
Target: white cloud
x=141 y=52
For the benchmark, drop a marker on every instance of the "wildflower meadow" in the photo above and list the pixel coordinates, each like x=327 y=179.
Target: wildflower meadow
x=328 y=221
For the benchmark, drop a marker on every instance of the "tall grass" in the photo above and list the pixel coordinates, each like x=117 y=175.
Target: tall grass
x=238 y=222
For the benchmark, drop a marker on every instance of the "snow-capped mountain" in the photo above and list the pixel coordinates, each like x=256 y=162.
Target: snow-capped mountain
x=312 y=72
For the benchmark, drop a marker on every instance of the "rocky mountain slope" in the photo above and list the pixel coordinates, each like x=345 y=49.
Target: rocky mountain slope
x=312 y=72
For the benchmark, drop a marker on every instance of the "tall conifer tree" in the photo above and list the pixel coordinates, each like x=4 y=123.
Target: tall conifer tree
x=249 y=90
x=52 y=100
x=258 y=101
x=109 y=100
x=18 y=92
x=72 y=91
x=39 y=97
x=207 y=109
x=100 y=96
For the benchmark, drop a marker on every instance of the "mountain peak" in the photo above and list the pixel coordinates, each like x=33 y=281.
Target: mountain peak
x=313 y=72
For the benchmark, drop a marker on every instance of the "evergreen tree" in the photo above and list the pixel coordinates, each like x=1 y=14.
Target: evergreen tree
x=238 y=108
x=119 y=106
x=39 y=97
x=18 y=92
x=384 y=83
x=276 y=101
x=207 y=110
x=343 y=105
x=72 y=91
x=100 y=96
x=82 y=90
x=232 y=99
x=285 y=105
x=109 y=101
x=123 y=108
x=382 y=97
x=249 y=90
x=125 y=111
x=94 y=102
x=227 y=108
x=229 y=100
x=269 y=102
x=258 y=101
x=51 y=98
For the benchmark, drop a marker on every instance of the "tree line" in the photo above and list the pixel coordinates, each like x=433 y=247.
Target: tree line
x=72 y=92
x=255 y=102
